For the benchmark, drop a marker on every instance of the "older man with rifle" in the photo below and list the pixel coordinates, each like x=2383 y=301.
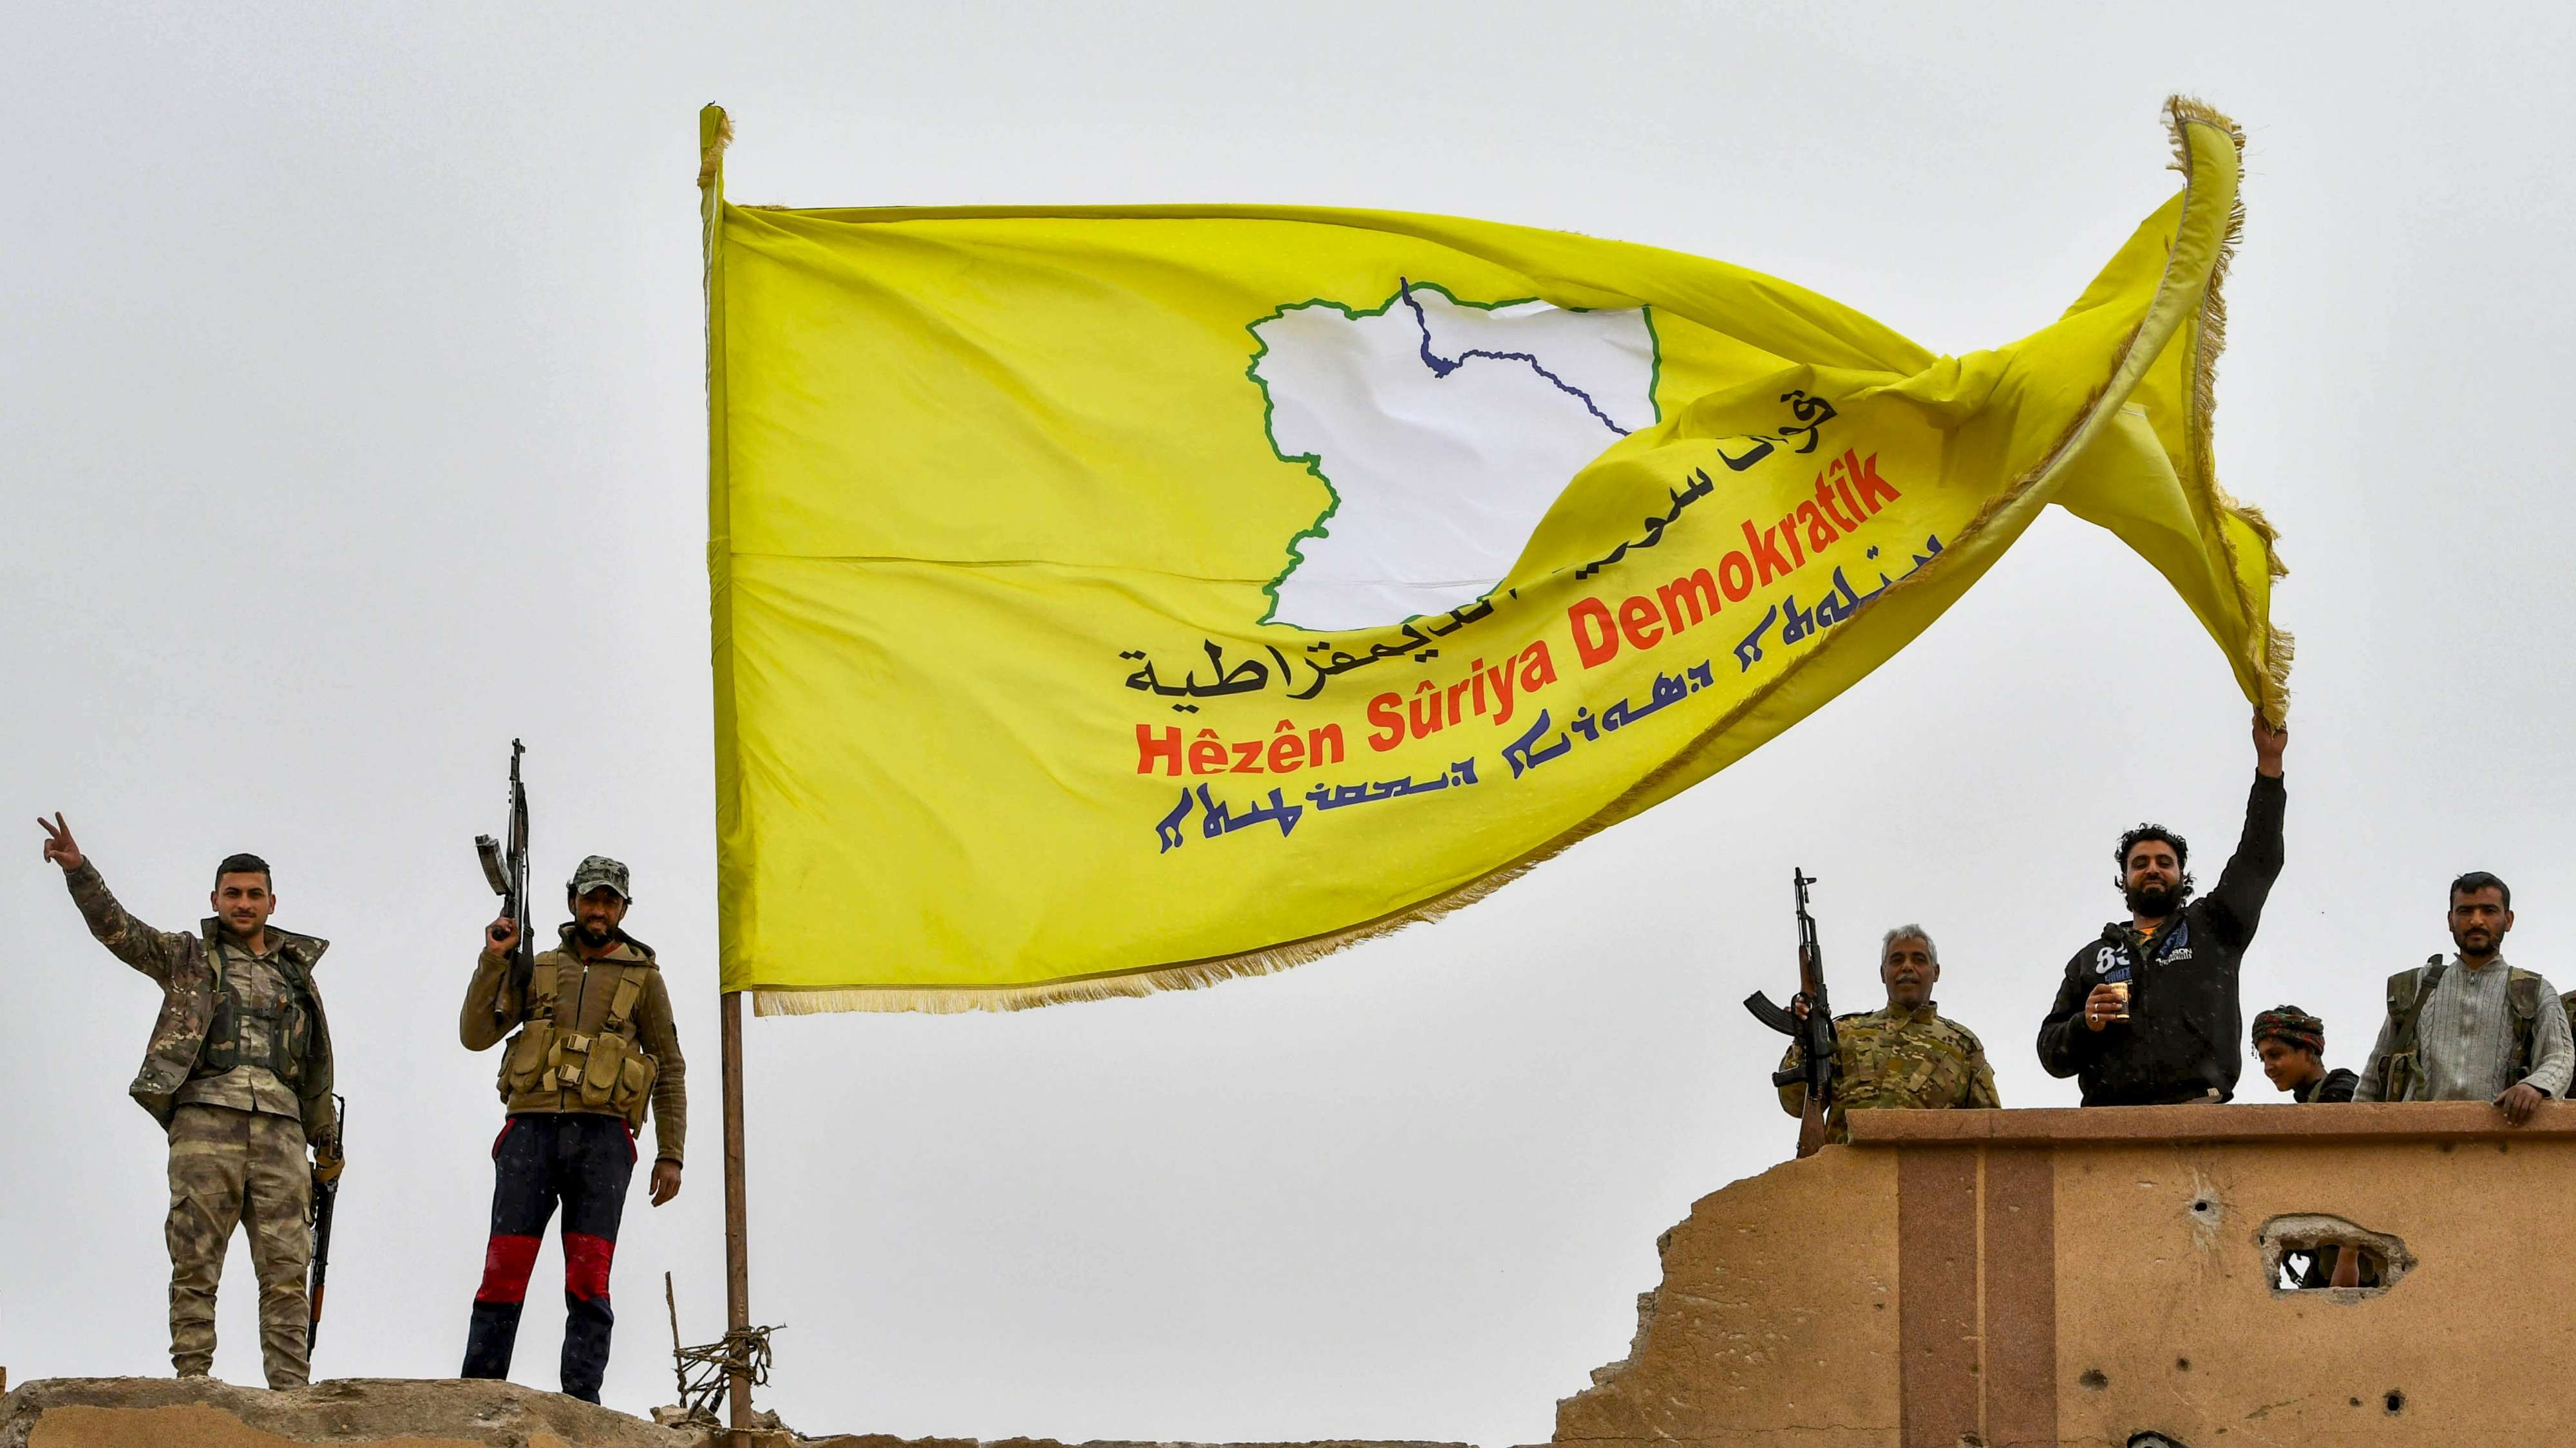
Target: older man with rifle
x=239 y=1076
x=1904 y=1056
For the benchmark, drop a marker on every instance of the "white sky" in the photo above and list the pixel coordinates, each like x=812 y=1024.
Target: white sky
x=353 y=424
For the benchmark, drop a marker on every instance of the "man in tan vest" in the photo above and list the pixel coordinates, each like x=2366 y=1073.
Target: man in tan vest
x=595 y=1049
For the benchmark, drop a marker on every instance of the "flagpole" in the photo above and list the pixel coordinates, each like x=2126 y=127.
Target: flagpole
x=714 y=131
x=737 y=1225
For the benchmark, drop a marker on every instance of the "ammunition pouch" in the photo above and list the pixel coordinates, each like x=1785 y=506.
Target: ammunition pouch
x=615 y=1076
x=2406 y=992
x=603 y=1070
x=289 y=1033
x=523 y=1065
x=2523 y=1003
x=525 y=1061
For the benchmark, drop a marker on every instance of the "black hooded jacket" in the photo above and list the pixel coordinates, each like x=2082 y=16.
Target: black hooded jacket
x=2182 y=1038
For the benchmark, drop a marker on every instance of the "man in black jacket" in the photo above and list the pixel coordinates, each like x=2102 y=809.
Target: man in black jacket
x=2148 y=1013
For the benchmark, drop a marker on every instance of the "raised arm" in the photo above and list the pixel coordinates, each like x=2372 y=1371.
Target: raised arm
x=2237 y=899
x=150 y=951
x=494 y=1003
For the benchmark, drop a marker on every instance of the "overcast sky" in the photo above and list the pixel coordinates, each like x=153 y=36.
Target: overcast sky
x=352 y=421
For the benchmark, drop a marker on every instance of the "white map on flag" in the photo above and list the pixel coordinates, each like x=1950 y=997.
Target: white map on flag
x=1445 y=430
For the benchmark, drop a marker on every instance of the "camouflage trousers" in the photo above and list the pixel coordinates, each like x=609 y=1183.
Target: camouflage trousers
x=243 y=1167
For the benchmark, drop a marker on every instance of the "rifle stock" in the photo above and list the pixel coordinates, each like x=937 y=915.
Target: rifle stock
x=1811 y=1127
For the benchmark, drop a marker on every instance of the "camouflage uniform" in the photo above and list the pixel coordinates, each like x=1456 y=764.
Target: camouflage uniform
x=230 y=1166
x=1906 y=1059
x=239 y=1075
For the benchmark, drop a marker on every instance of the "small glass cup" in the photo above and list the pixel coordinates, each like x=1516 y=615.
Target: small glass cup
x=2122 y=987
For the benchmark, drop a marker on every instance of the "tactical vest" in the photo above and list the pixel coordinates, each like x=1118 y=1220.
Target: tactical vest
x=290 y=1027
x=605 y=1069
x=2407 y=992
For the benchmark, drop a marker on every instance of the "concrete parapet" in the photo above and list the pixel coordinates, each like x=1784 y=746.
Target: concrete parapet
x=2113 y=1277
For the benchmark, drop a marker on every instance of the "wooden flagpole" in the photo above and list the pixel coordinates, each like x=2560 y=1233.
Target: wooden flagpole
x=737 y=1224
x=714 y=131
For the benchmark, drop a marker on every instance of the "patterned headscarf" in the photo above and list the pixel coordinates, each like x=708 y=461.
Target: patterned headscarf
x=2294 y=1027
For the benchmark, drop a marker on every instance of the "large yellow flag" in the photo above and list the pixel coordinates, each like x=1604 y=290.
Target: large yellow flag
x=1117 y=598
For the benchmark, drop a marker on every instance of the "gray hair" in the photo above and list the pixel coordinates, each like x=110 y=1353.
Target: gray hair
x=1910 y=932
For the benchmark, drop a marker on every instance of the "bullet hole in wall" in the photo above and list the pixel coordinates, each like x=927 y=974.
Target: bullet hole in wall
x=2095 y=1379
x=2395 y=1402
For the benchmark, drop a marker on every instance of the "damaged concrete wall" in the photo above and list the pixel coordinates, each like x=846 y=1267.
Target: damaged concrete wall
x=2087 y=1277
x=1776 y=1322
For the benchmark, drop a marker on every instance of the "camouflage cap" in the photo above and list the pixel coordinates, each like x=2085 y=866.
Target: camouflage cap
x=598 y=870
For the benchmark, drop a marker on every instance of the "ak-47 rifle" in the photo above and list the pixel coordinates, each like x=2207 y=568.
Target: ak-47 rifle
x=506 y=871
x=326 y=1195
x=1814 y=1033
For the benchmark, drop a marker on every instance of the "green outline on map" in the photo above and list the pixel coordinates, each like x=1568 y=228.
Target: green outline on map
x=1314 y=463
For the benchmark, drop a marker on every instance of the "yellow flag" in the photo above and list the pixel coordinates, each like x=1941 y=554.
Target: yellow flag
x=1118 y=598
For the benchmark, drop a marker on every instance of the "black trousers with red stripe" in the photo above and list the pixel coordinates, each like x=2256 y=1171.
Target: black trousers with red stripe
x=583 y=1161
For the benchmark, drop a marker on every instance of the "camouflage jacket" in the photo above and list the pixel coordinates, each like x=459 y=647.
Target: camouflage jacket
x=1903 y=1059
x=183 y=966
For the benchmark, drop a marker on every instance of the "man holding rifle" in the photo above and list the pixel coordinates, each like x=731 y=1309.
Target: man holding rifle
x=239 y=1076
x=1906 y=1056
x=596 y=1047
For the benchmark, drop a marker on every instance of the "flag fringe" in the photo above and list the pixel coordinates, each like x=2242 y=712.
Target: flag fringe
x=711 y=159
x=2279 y=648
x=1187 y=975
x=1197 y=974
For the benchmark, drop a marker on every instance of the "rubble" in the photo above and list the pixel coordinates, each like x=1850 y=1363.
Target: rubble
x=418 y=1413
x=412 y=1412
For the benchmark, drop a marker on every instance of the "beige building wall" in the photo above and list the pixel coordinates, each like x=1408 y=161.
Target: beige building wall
x=2088 y=1277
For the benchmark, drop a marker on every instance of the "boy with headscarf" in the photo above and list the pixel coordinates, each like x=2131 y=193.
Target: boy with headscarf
x=2292 y=1045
